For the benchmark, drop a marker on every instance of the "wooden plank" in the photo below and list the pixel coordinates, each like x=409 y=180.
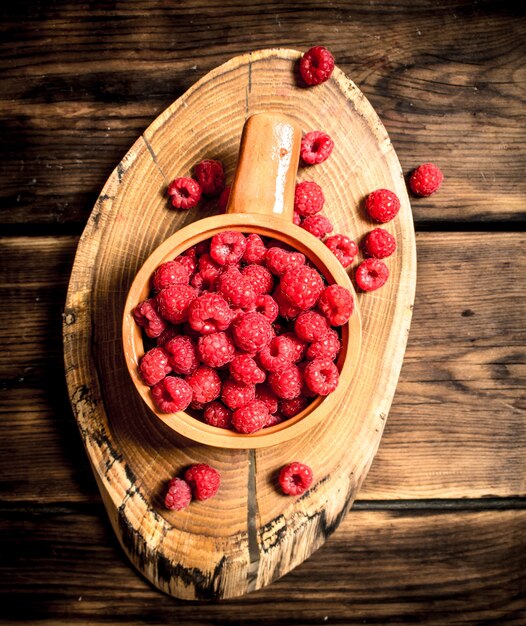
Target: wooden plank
x=433 y=568
x=434 y=73
x=456 y=427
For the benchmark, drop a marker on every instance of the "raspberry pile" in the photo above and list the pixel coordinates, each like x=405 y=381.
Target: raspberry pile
x=200 y=482
x=241 y=331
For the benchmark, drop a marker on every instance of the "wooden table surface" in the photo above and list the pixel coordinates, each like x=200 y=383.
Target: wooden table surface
x=438 y=534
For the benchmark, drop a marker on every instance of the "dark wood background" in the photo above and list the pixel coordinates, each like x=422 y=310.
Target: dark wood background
x=438 y=535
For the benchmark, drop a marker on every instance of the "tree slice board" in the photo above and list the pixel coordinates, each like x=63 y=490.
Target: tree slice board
x=249 y=534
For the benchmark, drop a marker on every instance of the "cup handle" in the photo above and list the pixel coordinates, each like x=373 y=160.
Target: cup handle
x=265 y=177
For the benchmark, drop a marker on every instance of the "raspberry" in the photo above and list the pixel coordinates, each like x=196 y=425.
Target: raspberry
x=216 y=414
x=170 y=273
x=316 y=65
x=290 y=408
x=273 y=420
x=154 y=366
x=316 y=147
x=321 y=376
x=308 y=198
x=299 y=347
x=245 y=370
x=255 y=250
x=260 y=278
x=251 y=417
x=178 y=496
x=216 y=349
x=205 y=384
x=209 y=270
x=182 y=357
x=204 y=481
x=209 y=313
x=311 y=326
x=210 y=176
x=296 y=218
x=379 y=244
x=382 y=205
x=295 y=478
x=371 y=274
x=237 y=313
x=236 y=288
x=317 y=225
x=227 y=247
x=252 y=332
x=172 y=394
x=168 y=333
x=266 y=395
x=343 y=249
x=174 y=302
x=146 y=314
x=187 y=261
x=277 y=355
x=222 y=201
x=337 y=304
x=236 y=395
x=326 y=348
x=286 y=309
x=301 y=286
x=185 y=193
x=279 y=260
x=287 y=383
x=425 y=179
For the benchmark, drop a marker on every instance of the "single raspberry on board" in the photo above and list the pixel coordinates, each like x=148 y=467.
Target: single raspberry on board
x=379 y=244
x=205 y=384
x=317 y=225
x=326 y=348
x=170 y=273
x=222 y=201
x=227 y=247
x=209 y=313
x=216 y=349
x=146 y=314
x=265 y=393
x=277 y=355
x=290 y=408
x=286 y=383
x=425 y=179
x=174 y=302
x=267 y=306
x=316 y=65
x=308 y=198
x=316 y=146
x=245 y=370
x=235 y=394
x=182 y=356
x=178 y=496
x=371 y=274
x=321 y=376
x=172 y=394
x=343 y=248
x=337 y=304
x=299 y=347
x=251 y=417
x=210 y=176
x=252 y=332
x=279 y=260
x=295 y=478
x=185 y=193
x=301 y=286
x=255 y=250
x=203 y=480
x=217 y=414
x=236 y=288
x=382 y=205
x=311 y=326
x=154 y=366
x=260 y=278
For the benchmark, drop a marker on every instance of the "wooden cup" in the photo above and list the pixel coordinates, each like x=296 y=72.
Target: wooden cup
x=261 y=201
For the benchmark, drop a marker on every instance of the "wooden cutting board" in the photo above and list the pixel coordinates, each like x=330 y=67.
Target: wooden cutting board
x=249 y=534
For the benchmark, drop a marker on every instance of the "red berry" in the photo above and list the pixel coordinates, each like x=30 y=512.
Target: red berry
x=308 y=198
x=174 y=302
x=216 y=414
x=184 y=192
x=316 y=65
x=203 y=480
x=317 y=225
x=278 y=355
x=252 y=332
x=326 y=348
x=425 y=179
x=382 y=205
x=251 y=417
x=235 y=394
x=260 y=278
x=146 y=314
x=216 y=349
x=170 y=273
x=265 y=393
x=290 y=408
x=245 y=370
x=222 y=201
x=205 y=384
x=301 y=286
x=236 y=288
x=168 y=333
x=337 y=304
x=279 y=260
x=295 y=478
x=209 y=313
x=255 y=250
x=379 y=244
x=172 y=394
x=286 y=310
x=273 y=420
x=178 y=495
x=182 y=356
x=299 y=347
x=371 y=274
x=154 y=366
x=311 y=326
x=316 y=146
x=286 y=383
x=296 y=218
x=227 y=247
x=210 y=176
x=189 y=262
x=343 y=248
x=209 y=272
x=321 y=376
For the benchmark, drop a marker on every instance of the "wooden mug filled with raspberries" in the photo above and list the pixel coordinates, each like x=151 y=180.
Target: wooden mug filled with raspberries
x=241 y=330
